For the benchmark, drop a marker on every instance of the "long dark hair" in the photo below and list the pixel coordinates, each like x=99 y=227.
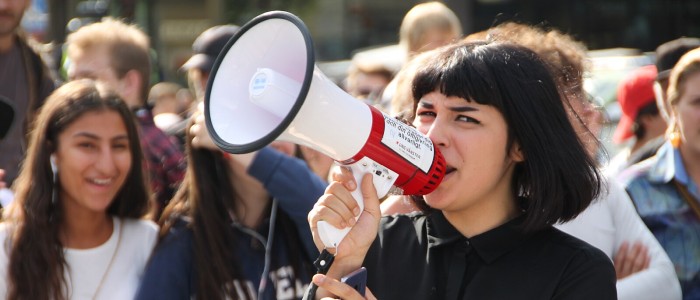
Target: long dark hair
x=36 y=261
x=557 y=179
x=206 y=198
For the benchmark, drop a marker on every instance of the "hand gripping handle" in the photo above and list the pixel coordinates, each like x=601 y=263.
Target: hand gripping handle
x=382 y=178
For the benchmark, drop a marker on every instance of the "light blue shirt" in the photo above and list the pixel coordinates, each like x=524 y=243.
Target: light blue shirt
x=663 y=209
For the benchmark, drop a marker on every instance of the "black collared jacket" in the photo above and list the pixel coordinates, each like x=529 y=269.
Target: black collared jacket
x=422 y=256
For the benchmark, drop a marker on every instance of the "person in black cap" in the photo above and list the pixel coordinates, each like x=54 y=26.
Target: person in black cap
x=237 y=228
x=206 y=48
x=667 y=55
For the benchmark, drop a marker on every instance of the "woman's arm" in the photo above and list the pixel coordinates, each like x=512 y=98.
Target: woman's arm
x=659 y=280
x=293 y=184
x=338 y=207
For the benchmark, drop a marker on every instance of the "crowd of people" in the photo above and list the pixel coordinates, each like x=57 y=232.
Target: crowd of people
x=117 y=190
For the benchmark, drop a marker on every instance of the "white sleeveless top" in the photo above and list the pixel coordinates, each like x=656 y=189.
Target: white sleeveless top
x=90 y=275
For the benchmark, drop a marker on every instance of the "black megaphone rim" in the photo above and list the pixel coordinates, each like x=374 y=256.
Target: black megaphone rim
x=310 y=62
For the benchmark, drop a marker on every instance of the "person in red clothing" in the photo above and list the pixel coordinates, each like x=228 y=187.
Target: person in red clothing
x=640 y=120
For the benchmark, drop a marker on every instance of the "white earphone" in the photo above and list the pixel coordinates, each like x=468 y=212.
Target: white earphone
x=54 y=167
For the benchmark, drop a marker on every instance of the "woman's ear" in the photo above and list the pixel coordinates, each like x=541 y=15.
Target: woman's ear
x=516 y=153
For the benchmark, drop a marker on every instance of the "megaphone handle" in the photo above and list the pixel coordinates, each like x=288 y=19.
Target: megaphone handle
x=382 y=178
x=332 y=236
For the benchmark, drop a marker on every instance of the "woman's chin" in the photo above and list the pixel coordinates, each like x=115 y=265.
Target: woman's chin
x=435 y=200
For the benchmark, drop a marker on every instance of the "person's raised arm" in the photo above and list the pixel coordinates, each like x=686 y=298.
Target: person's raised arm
x=338 y=208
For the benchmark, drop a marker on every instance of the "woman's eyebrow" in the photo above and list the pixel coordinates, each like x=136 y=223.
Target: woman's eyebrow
x=463 y=108
x=426 y=105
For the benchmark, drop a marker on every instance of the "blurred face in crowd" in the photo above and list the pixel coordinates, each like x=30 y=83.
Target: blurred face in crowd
x=368 y=86
x=589 y=126
x=197 y=80
x=687 y=113
x=434 y=38
x=660 y=87
x=93 y=159
x=11 y=12
x=95 y=64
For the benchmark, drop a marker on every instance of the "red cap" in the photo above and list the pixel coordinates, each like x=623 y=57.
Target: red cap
x=633 y=93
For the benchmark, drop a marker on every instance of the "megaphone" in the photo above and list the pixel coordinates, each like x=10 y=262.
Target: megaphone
x=264 y=86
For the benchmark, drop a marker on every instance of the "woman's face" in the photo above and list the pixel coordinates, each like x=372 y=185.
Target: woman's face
x=687 y=113
x=472 y=137
x=93 y=160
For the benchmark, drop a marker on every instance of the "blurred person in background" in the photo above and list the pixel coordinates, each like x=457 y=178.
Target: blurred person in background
x=667 y=55
x=402 y=101
x=237 y=227
x=610 y=223
x=76 y=229
x=206 y=47
x=640 y=120
x=25 y=82
x=367 y=79
x=665 y=187
x=166 y=107
x=426 y=26
x=187 y=102
x=117 y=55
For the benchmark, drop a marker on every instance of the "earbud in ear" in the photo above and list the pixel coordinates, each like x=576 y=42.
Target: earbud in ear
x=52 y=160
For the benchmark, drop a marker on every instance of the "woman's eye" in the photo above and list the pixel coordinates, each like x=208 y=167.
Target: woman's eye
x=468 y=119
x=426 y=114
x=86 y=145
x=121 y=146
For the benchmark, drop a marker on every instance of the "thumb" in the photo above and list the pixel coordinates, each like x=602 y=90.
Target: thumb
x=369 y=194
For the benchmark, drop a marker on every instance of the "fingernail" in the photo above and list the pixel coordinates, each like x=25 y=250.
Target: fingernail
x=318 y=279
x=351 y=221
x=343 y=224
x=351 y=185
x=356 y=211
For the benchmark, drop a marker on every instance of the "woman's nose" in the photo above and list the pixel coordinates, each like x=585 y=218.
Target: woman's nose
x=105 y=162
x=437 y=134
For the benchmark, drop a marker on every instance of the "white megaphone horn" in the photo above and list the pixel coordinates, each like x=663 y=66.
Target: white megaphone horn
x=264 y=86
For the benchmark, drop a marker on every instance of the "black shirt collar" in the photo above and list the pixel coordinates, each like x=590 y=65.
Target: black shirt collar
x=489 y=245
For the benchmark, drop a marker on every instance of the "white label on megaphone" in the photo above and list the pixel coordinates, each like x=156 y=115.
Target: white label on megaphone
x=409 y=143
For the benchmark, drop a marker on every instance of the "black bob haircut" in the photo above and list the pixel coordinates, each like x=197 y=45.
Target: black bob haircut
x=558 y=179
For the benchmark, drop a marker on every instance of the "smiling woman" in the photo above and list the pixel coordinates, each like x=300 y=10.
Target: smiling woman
x=74 y=229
